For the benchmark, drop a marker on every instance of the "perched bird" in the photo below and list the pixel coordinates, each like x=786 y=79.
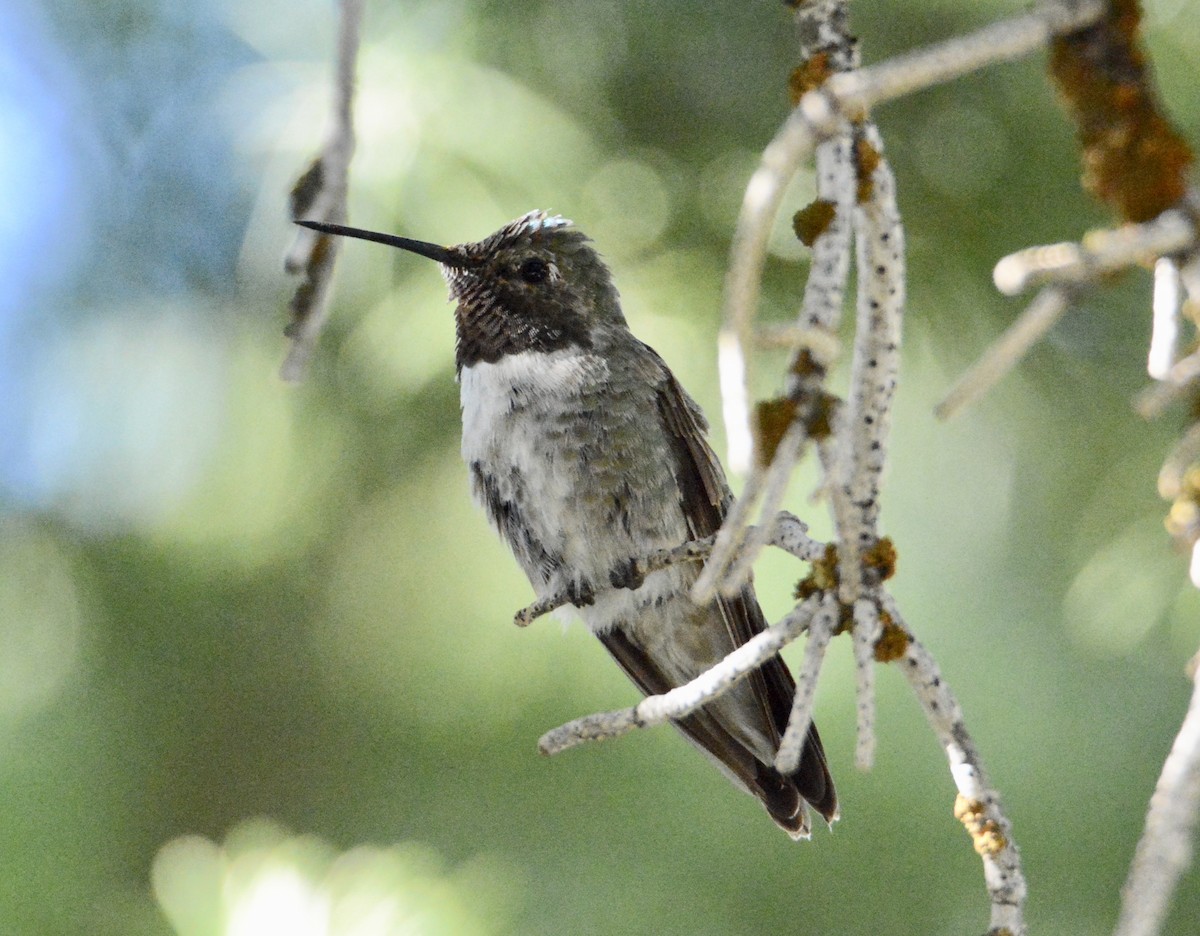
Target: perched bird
x=586 y=453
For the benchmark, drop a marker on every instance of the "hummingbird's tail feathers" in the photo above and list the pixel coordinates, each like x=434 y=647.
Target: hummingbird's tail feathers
x=782 y=796
x=812 y=777
x=813 y=780
x=783 y=801
x=776 y=688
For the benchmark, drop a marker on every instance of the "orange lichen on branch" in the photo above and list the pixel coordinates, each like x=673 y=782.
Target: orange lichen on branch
x=986 y=834
x=314 y=270
x=823 y=577
x=808 y=77
x=1183 y=519
x=818 y=420
x=893 y=641
x=805 y=366
x=811 y=221
x=1133 y=159
x=772 y=418
x=882 y=558
x=866 y=161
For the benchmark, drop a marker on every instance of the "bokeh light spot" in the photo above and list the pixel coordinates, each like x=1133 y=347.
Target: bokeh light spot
x=1117 y=597
x=962 y=151
x=41 y=619
x=124 y=413
x=265 y=882
x=627 y=207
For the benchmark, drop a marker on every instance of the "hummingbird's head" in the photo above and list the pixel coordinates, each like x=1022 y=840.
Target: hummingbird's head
x=535 y=285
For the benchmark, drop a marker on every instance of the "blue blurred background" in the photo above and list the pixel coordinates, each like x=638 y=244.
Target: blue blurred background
x=259 y=674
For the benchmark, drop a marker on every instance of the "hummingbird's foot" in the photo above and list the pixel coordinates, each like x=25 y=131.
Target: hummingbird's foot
x=580 y=593
x=627 y=574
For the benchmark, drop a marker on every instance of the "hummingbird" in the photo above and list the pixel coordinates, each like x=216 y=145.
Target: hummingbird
x=585 y=452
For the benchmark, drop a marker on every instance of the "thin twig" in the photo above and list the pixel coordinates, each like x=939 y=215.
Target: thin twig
x=1164 y=852
x=875 y=365
x=978 y=804
x=866 y=633
x=825 y=288
x=1100 y=253
x=1165 y=308
x=820 y=630
x=775 y=485
x=320 y=195
x=1180 y=380
x=639 y=568
x=785 y=531
x=791 y=535
x=685 y=699
x=1067 y=269
x=822 y=114
x=729 y=539
x=823 y=31
x=858 y=92
x=1003 y=354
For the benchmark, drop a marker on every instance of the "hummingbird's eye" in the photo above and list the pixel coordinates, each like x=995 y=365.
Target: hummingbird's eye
x=534 y=270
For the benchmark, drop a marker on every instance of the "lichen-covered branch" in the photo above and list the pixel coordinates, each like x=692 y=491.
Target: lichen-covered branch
x=685 y=699
x=977 y=805
x=320 y=195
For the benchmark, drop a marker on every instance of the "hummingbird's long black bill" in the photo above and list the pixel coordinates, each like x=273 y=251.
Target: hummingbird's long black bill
x=423 y=248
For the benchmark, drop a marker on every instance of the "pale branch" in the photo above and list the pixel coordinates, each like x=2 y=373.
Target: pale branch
x=760 y=205
x=1003 y=355
x=683 y=700
x=821 y=343
x=320 y=195
x=791 y=535
x=1176 y=287
x=978 y=804
x=1164 y=852
x=639 y=567
x=875 y=365
x=1177 y=483
x=1165 y=308
x=820 y=632
x=1173 y=475
x=785 y=531
x=822 y=30
x=857 y=92
x=814 y=354
x=735 y=390
x=824 y=36
x=816 y=326
x=1100 y=253
x=829 y=268
x=775 y=486
x=824 y=113
x=1180 y=380
x=857 y=182
x=729 y=540
x=1065 y=270
x=866 y=633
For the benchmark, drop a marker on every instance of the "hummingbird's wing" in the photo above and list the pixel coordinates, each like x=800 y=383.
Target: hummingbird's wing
x=704 y=498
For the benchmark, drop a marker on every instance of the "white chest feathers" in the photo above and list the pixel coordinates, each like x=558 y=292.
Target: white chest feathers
x=505 y=404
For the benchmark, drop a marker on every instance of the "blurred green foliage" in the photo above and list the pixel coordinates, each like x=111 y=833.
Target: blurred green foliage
x=258 y=671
